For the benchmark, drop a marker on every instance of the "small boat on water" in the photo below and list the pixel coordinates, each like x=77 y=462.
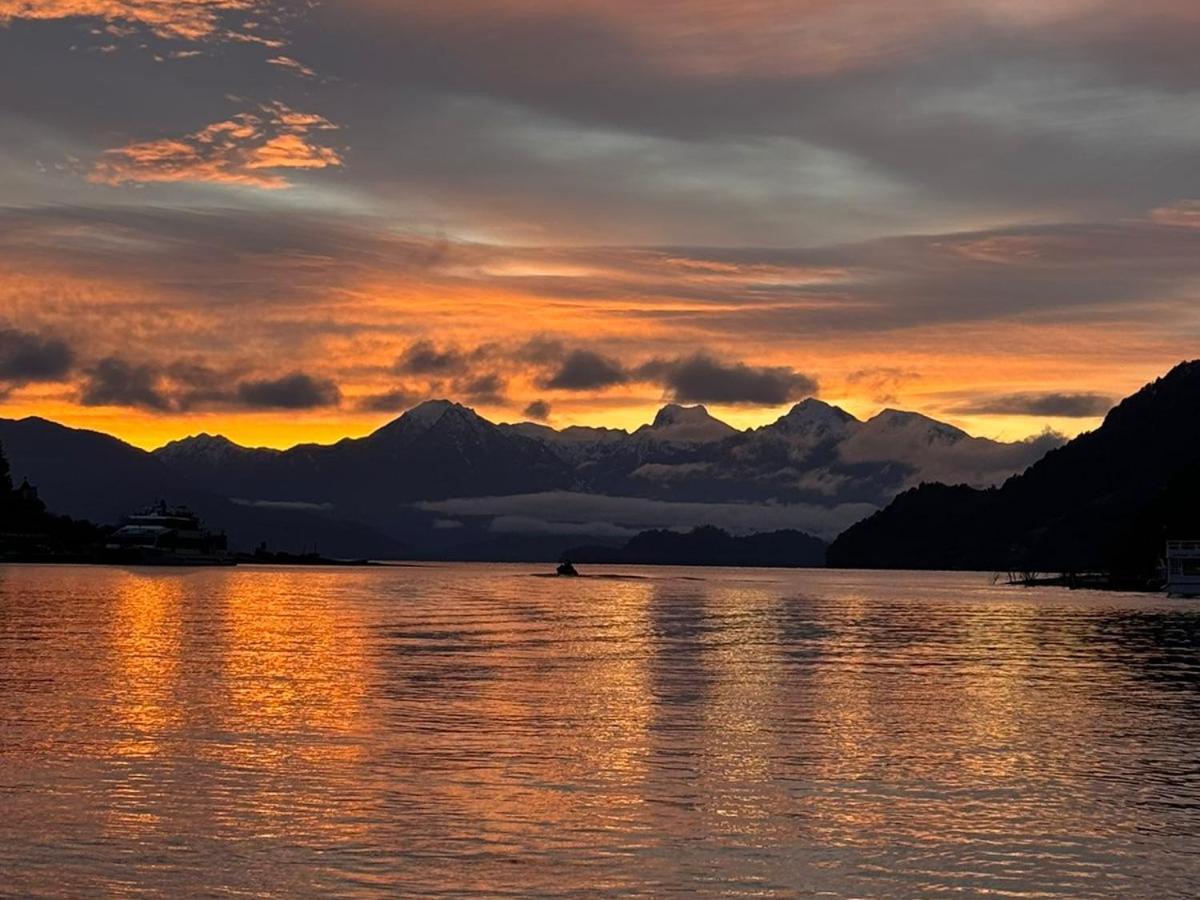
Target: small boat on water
x=162 y=535
x=565 y=568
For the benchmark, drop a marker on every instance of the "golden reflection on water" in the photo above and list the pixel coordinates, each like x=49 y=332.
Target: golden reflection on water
x=308 y=732
x=566 y=697
x=844 y=697
x=286 y=674
x=739 y=740
x=229 y=710
x=277 y=674
x=146 y=639
x=611 y=702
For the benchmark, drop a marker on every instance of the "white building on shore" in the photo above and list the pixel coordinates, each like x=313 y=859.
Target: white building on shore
x=1183 y=568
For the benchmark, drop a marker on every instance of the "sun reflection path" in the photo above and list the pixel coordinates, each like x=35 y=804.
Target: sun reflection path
x=146 y=635
x=658 y=732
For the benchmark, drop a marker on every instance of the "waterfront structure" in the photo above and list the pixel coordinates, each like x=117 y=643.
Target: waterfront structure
x=1183 y=568
x=168 y=535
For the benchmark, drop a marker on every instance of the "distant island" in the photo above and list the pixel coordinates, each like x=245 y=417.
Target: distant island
x=709 y=546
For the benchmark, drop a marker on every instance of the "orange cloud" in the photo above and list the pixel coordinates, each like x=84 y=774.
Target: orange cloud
x=706 y=38
x=245 y=149
x=192 y=20
x=344 y=299
x=293 y=65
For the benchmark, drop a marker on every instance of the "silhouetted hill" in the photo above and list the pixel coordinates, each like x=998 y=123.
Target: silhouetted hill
x=1106 y=500
x=434 y=451
x=93 y=476
x=84 y=473
x=709 y=546
x=28 y=531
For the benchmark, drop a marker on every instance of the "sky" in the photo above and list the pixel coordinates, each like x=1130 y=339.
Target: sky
x=291 y=221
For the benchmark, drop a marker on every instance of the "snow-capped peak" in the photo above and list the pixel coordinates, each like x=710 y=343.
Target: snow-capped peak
x=812 y=414
x=811 y=423
x=428 y=412
x=686 y=423
x=426 y=415
x=899 y=420
x=212 y=447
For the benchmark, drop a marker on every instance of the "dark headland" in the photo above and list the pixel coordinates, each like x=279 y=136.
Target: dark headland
x=1104 y=503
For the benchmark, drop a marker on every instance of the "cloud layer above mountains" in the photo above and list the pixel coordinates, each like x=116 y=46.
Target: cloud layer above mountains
x=287 y=220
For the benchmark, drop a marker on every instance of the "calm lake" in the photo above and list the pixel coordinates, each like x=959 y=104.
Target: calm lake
x=447 y=729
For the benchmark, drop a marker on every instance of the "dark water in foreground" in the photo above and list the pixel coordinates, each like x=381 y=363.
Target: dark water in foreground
x=470 y=728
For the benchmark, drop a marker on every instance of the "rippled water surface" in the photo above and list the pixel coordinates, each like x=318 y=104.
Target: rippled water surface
x=441 y=730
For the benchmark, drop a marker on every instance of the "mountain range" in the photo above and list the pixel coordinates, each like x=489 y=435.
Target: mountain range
x=442 y=481
x=1106 y=501
x=899 y=490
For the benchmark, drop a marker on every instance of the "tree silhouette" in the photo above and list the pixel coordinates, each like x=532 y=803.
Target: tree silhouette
x=6 y=484
x=28 y=531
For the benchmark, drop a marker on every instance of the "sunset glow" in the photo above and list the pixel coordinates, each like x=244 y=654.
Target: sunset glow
x=289 y=223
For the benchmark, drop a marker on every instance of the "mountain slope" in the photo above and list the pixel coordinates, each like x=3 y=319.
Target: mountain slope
x=94 y=476
x=1080 y=507
x=85 y=473
x=816 y=453
x=684 y=424
x=442 y=449
x=814 y=466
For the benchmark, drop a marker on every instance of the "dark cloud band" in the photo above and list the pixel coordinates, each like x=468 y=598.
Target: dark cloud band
x=701 y=378
x=27 y=357
x=1066 y=406
x=294 y=391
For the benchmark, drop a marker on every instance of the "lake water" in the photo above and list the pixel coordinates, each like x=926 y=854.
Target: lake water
x=442 y=730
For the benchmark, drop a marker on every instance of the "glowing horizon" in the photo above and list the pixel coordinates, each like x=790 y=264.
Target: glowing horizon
x=288 y=223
